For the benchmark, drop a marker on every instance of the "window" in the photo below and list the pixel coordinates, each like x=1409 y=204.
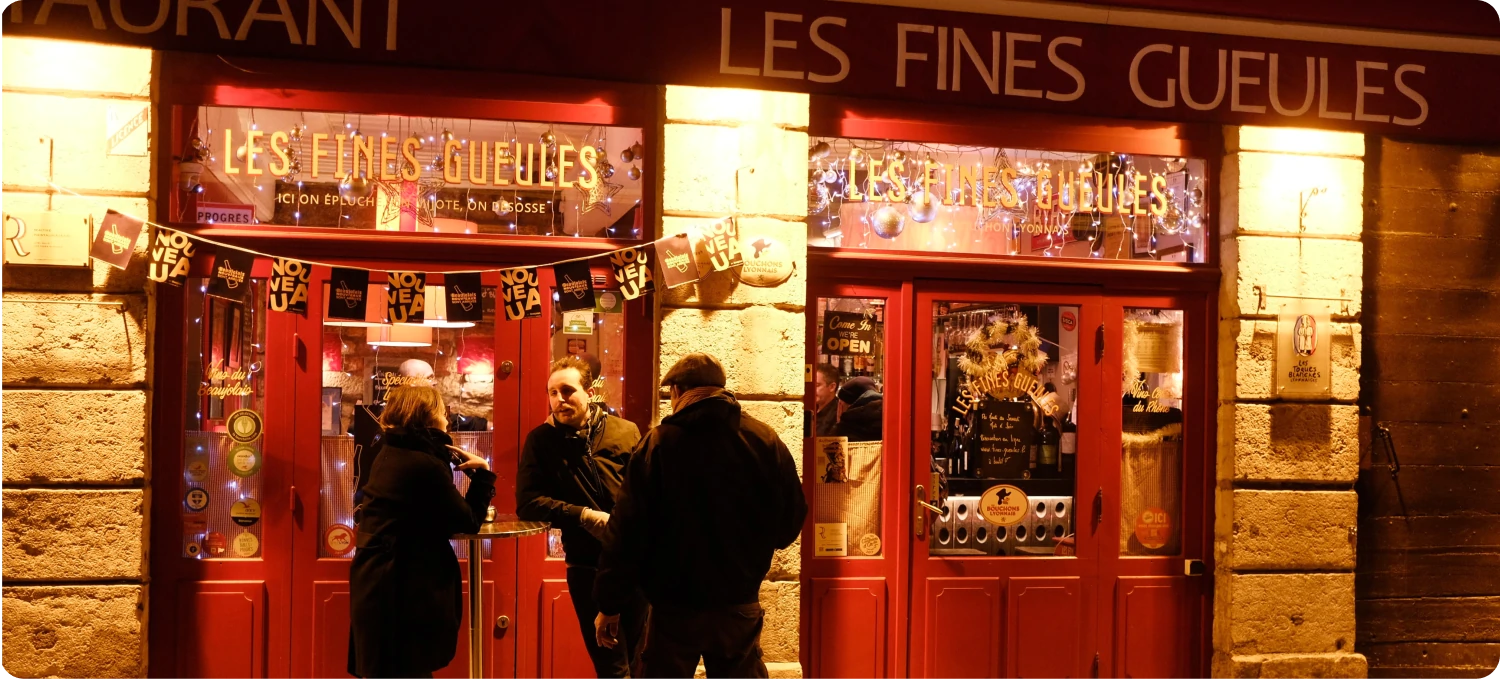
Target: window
x=848 y=427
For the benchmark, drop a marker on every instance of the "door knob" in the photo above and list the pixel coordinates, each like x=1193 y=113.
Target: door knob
x=502 y=623
x=506 y=367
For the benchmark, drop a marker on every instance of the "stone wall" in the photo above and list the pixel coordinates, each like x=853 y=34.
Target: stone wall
x=1426 y=588
x=743 y=153
x=1284 y=530
x=76 y=384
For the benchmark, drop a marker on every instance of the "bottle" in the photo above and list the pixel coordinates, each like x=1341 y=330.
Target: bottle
x=1067 y=447
x=1047 y=462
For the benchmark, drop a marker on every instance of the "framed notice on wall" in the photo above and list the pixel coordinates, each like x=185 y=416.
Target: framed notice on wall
x=1303 y=344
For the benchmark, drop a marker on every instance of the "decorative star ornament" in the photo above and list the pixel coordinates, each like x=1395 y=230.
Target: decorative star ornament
x=598 y=196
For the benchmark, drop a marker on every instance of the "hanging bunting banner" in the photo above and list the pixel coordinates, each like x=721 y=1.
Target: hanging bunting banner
x=632 y=270
x=171 y=256
x=289 y=279
x=721 y=240
x=231 y=274
x=115 y=242
x=405 y=296
x=575 y=286
x=522 y=298
x=678 y=265
x=463 y=291
x=346 y=294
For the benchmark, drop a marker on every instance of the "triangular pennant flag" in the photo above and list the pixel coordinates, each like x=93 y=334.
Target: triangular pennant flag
x=114 y=244
x=230 y=278
x=171 y=256
x=632 y=270
x=519 y=291
x=721 y=240
x=678 y=265
x=346 y=294
x=575 y=286
x=405 y=297
x=289 y=280
x=463 y=291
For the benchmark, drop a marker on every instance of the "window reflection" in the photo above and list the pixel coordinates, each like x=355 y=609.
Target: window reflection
x=1151 y=442
x=1005 y=391
x=847 y=423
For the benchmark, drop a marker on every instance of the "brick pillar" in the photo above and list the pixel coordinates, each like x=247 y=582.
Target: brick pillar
x=76 y=386
x=1284 y=532
x=744 y=153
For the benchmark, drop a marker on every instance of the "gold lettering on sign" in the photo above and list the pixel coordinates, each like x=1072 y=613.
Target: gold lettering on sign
x=1151 y=399
x=219 y=383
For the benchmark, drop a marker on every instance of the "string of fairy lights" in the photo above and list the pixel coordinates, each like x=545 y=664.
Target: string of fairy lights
x=1050 y=199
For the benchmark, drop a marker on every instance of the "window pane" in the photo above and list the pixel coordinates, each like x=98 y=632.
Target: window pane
x=362 y=360
x=1005 y=388
x=848 y=426
x=1151 y=463
x=224 y=436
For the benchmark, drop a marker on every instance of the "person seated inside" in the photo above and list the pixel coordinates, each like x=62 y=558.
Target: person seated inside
x=864 y=415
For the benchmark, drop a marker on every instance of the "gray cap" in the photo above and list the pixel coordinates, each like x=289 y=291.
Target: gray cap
x=695 y=370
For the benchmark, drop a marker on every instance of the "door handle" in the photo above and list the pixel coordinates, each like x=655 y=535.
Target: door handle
x=1099 y=343
x=1098 y=508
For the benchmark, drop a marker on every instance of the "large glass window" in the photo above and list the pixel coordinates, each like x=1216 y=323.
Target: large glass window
x=896 y=195
x=848 y=432
x=225 y=432
x=362 y=360
x=1004 y=427
x=397 y=173
x=1151 y=442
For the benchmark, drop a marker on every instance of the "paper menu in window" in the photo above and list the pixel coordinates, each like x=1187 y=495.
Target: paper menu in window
x=831 y=539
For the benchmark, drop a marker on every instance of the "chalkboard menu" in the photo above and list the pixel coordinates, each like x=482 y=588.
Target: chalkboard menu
x=1004 y=436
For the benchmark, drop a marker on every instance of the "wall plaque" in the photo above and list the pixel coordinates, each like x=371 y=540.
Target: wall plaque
x=1303 y=345
x=48 y=238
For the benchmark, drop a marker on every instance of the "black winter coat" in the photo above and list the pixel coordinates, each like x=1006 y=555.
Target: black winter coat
x=561 y=472
x=405 y=602
x=708 y=496
x=863 y=421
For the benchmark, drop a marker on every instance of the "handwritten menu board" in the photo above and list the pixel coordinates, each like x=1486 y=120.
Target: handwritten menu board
x=1004 y=436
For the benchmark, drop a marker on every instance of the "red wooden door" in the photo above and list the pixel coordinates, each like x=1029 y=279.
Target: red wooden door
x=992 y=600
x=331 y=357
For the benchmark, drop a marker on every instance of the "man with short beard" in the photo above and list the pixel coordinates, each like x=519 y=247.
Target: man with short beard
x=571 y=466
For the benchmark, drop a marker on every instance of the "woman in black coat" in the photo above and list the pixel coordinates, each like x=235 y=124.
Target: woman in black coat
x=405 y=594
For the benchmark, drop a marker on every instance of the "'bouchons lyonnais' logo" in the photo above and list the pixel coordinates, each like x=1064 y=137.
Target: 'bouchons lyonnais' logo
x=1305 y=335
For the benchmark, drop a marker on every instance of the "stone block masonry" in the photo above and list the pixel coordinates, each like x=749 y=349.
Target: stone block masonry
x=1284 y=529
x=743 y=154
x=76 y=361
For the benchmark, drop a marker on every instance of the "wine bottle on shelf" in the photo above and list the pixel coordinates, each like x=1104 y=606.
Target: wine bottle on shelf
x=1067 y=447
x=1048 y=465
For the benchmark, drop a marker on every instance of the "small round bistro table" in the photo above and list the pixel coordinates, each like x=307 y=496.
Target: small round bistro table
x=502 y=527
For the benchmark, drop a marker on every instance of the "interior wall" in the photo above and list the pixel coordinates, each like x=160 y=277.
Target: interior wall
x=1428 y=595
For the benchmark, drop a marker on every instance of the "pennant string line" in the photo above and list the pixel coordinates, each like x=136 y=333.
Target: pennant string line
x=268 y=255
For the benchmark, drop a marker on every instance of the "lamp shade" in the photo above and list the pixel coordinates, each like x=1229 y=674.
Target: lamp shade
x=374 y=309
x=403 y=335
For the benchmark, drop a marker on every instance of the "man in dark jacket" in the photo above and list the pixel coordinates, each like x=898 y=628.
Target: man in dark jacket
x=825 y=389
x=708 y=496
x=570 y=469
x=864 y=414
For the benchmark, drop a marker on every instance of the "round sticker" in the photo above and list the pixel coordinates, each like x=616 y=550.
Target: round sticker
x=214 y=543
x=339 y=539
x=1153 y=528
x=1069 y=321
x=192 y=549
x=246 y=544
x=197 y=467
x=1003 y=505
x=246 y=512
x=244 y=460
x=196 y=499
x=869 y=544
x=244 y=425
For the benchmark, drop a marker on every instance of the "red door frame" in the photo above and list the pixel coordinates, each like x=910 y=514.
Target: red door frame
x=1193 y=287
x=189 y=80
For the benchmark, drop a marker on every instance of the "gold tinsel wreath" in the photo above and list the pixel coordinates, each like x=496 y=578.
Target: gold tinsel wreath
x=1000 y=346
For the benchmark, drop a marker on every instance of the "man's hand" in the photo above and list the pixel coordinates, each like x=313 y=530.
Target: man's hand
x=594 y=521
x=607 y=630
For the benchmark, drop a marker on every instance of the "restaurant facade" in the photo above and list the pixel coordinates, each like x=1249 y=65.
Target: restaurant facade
x=1113 y=274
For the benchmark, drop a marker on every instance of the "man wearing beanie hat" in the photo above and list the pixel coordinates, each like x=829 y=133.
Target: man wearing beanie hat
x=708 y=496
x=864 y=412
